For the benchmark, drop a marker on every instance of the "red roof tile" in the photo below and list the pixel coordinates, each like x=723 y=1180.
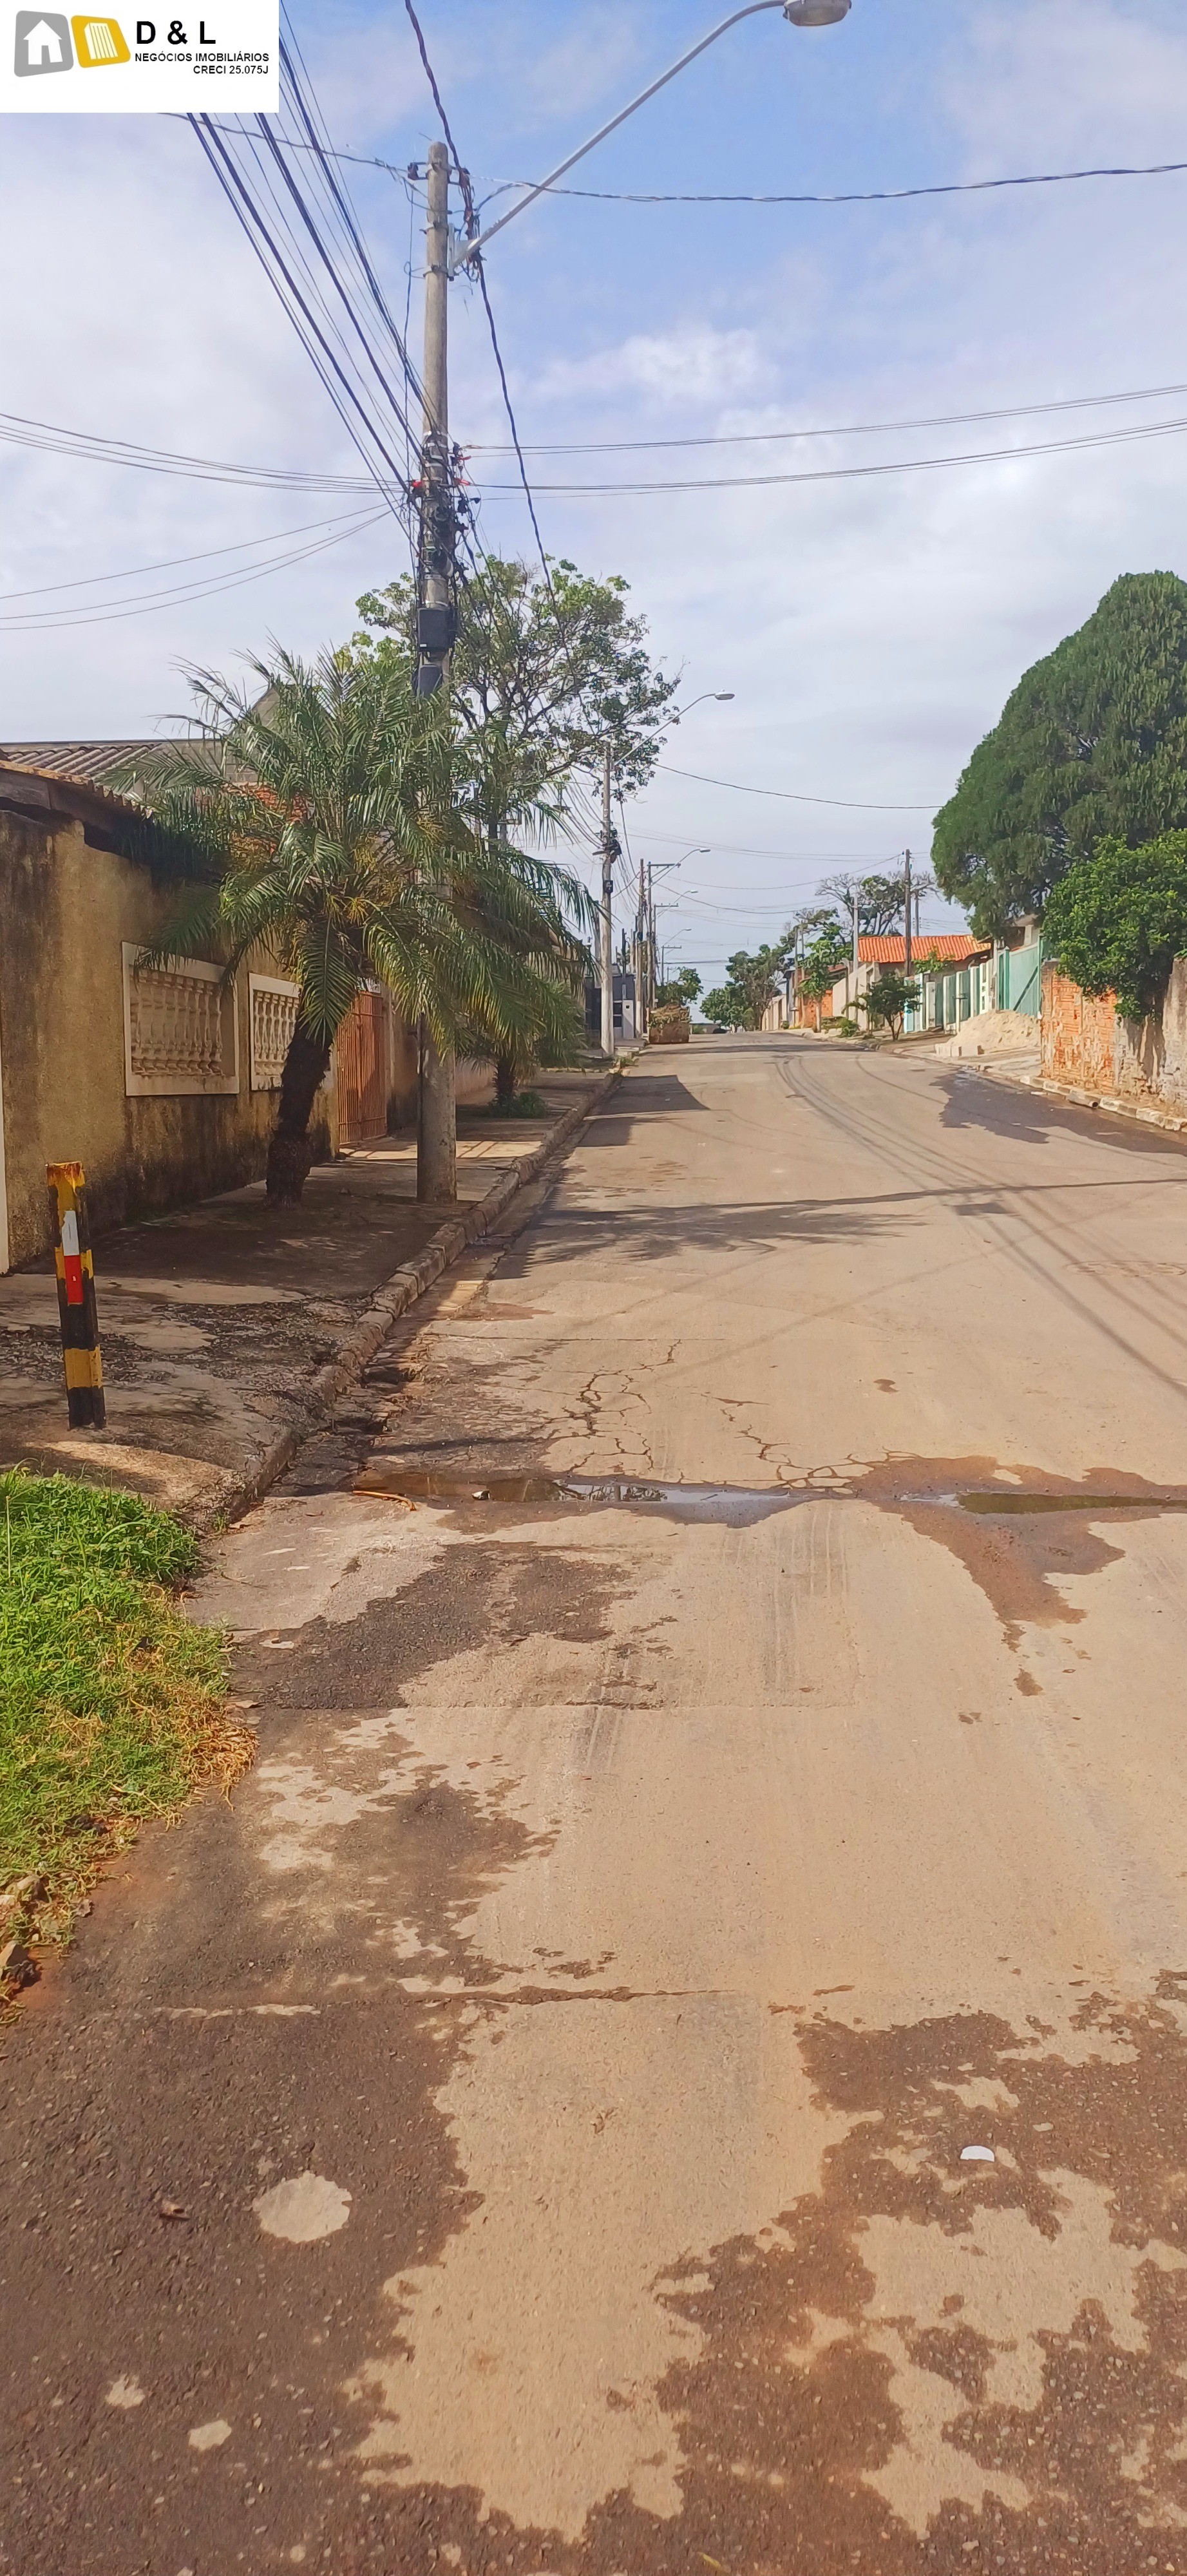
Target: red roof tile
x=954 y=947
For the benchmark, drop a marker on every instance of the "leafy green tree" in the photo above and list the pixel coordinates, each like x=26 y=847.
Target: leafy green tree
x=823 y=961
x=753 y=981
x=890 y=996
x=543 y=674
x=727 y=1004
x=683 y=988
x=1117 y=921
x=321 y=814
x=1091 y=745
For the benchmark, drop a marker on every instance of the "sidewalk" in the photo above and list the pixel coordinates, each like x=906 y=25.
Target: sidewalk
x=229 y=1331
x=1024 y=1075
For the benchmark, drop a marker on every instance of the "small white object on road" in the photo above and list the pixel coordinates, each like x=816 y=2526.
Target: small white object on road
x=125 y=2392
x=303 y=2210
x=207 y=2437
x=977 y=2156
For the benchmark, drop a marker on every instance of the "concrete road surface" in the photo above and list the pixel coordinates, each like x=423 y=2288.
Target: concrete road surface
x=529 y=2128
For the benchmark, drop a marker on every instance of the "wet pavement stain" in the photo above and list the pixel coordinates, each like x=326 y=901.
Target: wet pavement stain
x=1018 y=1533
x=880 y=2383
x=1016 y=1539
x=271 y=2038
x=475 y=1596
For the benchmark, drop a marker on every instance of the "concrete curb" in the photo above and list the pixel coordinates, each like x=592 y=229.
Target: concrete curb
x=1070 y=1091
x=239 y=1491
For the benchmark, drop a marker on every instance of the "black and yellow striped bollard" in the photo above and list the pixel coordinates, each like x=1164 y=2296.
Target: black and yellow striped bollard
x=76 y=1297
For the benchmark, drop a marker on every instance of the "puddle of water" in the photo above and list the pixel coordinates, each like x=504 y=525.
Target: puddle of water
x=1017 y=1502
x=733 y=1504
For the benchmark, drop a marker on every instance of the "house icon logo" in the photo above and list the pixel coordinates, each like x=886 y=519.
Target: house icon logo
x=43 y=43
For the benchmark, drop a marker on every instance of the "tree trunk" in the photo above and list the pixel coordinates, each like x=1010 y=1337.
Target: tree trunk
x=290 y=1152
x=505 y=1082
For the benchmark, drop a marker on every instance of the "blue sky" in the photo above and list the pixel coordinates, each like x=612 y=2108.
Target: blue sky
x=871 y=628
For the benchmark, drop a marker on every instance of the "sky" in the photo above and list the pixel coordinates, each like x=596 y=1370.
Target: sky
x=870 y=627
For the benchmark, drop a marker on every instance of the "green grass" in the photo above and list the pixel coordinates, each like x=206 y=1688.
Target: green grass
x=111 y=1703
x=526 y=1104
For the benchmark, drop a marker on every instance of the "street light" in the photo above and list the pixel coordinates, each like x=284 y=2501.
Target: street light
x=798 y=13
x=723 y=697
x=647 y=924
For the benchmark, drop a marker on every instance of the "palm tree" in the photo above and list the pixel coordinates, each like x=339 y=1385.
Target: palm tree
x=322 y=823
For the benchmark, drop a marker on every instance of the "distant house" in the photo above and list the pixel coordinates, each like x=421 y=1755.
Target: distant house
x=960 y=954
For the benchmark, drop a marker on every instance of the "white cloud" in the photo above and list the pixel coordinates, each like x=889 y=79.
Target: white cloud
x=692 y=364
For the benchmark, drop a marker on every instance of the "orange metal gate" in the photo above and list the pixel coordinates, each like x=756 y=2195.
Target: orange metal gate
x=362 y=1071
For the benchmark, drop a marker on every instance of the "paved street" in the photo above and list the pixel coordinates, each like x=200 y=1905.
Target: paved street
x=524 y=2130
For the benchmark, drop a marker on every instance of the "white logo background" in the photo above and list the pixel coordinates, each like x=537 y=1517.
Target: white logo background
x=236 y=67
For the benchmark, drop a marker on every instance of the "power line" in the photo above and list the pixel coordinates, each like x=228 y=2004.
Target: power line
x=847 y=429
x=790 y=796
x=859 y=473
x=52 y=438
x=297 y=215
x=477 y=269
x=847 y=196
x=843 y=197
x=173 y=563
x=751 y=850
x=261 y=239
x=53 y=621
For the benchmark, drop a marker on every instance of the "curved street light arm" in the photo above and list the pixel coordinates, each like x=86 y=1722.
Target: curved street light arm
x=466 y=250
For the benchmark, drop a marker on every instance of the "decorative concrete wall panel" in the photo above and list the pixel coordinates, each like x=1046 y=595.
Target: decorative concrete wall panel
x=181 y=1029
x=273 y=1019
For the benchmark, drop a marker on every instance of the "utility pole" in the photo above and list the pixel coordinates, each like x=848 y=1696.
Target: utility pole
x=907 y=912
x=608 y=847
x=436 y=1157
x=856 y=950
x=650 y=937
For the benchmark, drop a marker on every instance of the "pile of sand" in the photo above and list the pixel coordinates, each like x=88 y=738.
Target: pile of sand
x=993 y=1033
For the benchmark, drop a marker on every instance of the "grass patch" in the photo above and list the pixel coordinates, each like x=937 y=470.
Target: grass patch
x=526 y=1104
x=111 y=1702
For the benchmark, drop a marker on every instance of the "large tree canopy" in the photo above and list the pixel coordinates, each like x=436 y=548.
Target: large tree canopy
x=1092 y=743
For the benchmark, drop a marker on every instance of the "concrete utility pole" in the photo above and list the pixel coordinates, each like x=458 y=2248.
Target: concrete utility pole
x=907 y=912
x=607 y=921
x=436 y=1156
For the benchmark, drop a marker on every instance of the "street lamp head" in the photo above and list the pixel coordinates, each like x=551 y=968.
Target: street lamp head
x=815 y=13
x=723 y=696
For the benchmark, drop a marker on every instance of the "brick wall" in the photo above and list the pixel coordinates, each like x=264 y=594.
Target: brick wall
x=1077 y=1031
x=1087 y=1044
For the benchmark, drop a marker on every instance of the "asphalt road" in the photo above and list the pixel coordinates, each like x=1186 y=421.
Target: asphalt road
x=526 y=2129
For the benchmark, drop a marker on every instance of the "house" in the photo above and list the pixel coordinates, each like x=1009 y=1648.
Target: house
x=158 y=1081
x=960 y=955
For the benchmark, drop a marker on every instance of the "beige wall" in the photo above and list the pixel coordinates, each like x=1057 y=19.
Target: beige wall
x=65 y=909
